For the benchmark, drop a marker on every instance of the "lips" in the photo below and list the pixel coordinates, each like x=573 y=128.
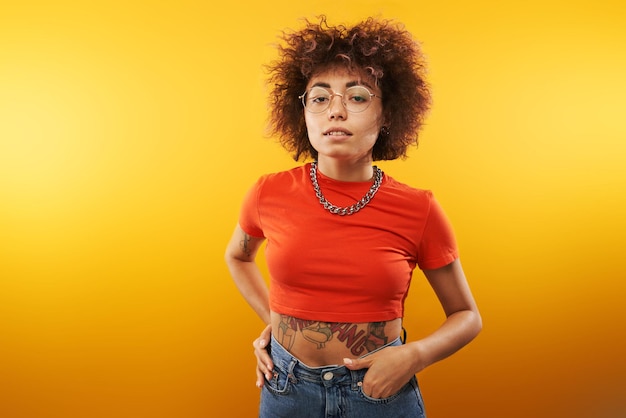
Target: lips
x=337 y=132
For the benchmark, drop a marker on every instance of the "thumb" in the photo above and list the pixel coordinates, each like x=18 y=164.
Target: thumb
x=356 y=364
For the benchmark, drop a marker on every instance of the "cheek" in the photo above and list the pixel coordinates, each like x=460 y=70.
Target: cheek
x=373 y=128
x=309 y=121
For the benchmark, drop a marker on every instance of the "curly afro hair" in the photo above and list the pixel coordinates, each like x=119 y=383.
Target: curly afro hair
x=383 y=49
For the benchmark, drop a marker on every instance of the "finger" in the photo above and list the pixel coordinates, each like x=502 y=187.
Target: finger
x=371 y=390
x=368 y=390
x=259 y=378
x=262 y=343
x=262 y=367
x=266 y=334
x=357 y=364
x=263 y=357
x=263 y=370
x=265 y=365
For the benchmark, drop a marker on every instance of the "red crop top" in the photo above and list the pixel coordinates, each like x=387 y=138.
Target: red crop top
x=354 y=268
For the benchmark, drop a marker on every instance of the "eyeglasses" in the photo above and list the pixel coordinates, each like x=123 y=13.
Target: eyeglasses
x=355 y=99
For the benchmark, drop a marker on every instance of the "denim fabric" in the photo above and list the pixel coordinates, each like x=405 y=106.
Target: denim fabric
x=299 y=391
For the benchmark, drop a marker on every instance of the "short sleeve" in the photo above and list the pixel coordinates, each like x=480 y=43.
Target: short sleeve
x=438 y=246
x=249 y=219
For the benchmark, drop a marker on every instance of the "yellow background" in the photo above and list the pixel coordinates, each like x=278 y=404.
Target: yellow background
x=129 y=132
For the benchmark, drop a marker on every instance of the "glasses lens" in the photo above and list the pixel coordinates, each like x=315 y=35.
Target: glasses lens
x=357 y=99
x=317 y=99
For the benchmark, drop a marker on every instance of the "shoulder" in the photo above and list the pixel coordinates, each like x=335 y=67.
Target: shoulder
x=406 y=192
x=291 y=173
x=282 y=180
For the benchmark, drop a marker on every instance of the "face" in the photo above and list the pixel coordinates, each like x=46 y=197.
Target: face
x=337 y=133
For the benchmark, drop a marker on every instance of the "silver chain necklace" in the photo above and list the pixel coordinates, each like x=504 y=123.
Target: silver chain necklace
x=349 y=210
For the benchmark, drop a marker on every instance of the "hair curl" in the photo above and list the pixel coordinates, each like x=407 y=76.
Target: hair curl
x=382 y=48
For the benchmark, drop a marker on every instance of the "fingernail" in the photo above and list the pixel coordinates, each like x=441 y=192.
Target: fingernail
x=347 y=361
x=262 y=343
x=258 y=384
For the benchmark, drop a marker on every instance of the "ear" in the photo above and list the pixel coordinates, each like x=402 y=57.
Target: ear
x=386 y=120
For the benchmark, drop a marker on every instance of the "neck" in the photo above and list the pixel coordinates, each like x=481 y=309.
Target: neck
x=346 y=171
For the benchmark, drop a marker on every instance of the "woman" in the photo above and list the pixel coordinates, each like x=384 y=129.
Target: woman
x=343 y=238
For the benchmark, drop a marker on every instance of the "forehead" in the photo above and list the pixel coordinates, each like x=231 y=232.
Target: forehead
x=339 y=76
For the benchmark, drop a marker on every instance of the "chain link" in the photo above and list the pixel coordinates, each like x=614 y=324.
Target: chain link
x=348 y=210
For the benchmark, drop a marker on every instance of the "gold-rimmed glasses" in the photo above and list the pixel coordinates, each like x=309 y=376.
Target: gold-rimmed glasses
x=355 y=99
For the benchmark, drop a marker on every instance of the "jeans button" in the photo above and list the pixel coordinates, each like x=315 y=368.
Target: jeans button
x=328 y=375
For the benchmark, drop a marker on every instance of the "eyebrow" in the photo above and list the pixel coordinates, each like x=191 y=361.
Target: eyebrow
x=348 y=84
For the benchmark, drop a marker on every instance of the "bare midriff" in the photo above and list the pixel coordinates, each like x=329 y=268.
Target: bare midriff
x=319 y=343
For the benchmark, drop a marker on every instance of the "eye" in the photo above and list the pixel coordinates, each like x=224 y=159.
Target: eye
x=318 y=96
x=356 y=98
x=358 y=95
x=318 y=99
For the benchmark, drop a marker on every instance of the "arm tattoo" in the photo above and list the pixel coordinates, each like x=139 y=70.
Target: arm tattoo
x=244 y=244
x=319 y=333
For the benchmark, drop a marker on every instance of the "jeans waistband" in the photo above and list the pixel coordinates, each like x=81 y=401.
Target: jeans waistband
x=289 y=364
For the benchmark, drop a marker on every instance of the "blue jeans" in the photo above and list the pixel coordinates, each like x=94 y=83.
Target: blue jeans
x=299 y=391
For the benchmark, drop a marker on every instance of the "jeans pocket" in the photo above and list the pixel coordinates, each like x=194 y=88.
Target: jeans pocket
x=382 y=400
x=280 y=382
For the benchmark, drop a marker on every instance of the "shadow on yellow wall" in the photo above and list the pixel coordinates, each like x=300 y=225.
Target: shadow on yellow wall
x=129 y=133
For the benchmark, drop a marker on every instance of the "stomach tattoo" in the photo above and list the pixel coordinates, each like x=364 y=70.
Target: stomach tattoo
x=359 y=340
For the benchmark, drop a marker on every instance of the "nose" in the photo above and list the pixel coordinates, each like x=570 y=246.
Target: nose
x=336 y=109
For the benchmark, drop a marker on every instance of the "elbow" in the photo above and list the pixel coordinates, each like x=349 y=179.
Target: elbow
x=471 y=323
x=476 y=322
x=229 y=258
x=234 y=261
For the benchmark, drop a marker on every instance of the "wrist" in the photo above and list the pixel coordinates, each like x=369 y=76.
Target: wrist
x=418 y=356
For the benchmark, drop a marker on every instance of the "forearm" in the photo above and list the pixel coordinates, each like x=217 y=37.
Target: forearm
x=458 y=330
x=252 y=286
x=240 y=254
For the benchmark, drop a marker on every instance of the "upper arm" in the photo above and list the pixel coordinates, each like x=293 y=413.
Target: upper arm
x=242 y=246
x=451 y=288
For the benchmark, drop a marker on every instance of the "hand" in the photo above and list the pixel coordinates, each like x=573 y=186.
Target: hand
x=265 y=366
x=388 y=371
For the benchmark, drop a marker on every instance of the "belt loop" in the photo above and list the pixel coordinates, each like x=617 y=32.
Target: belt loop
x=290 y=375
x=354 y=375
